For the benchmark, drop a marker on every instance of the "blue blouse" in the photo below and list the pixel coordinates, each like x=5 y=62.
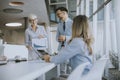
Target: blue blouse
x=76 y=51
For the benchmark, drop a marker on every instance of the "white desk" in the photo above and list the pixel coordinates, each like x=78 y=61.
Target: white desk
x=24 y=70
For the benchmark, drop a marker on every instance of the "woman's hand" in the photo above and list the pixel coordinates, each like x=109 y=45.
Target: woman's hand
x=46 y=58
x=40 y=36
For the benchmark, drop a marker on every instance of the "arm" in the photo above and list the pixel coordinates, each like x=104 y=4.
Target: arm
x=74 y=48
x=68 y=37
x=44 y=32
x=27 y=40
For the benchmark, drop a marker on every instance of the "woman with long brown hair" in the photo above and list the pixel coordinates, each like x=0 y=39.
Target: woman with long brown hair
x=79 y=49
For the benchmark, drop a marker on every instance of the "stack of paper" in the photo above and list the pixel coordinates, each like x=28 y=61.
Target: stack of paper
x=40 y=44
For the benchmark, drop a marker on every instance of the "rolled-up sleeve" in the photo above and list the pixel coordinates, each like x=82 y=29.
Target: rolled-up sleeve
x=44 y=31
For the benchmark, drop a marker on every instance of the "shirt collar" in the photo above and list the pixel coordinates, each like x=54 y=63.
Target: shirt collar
x=65 y=20
x=31 y=27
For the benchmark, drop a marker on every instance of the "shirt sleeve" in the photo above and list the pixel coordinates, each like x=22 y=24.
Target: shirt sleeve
x=74 y=48
x=68 y=38
x=44 y=32
x=27 y=38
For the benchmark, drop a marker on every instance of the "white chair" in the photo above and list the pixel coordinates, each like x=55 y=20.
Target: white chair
x=75 y=75
x=94 y=74
x=97 y=70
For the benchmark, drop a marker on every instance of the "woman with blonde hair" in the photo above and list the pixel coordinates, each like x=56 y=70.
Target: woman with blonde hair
x=79 y=49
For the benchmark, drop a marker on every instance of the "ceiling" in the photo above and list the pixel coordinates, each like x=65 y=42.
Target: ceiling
x=37 y=7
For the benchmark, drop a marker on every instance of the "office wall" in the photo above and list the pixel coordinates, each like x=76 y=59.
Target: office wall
x=14 y=36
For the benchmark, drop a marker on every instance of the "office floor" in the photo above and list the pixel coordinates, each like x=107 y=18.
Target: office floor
x=104 y=79
x=52 y=73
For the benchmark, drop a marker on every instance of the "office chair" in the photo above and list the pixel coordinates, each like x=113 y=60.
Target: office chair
x=94 y=74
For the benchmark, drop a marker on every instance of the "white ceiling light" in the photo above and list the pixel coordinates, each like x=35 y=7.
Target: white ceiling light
x=16 y=3
x=13 y=24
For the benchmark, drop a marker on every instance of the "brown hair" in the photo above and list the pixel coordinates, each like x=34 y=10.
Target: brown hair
x=80 y=28
x=61 y=9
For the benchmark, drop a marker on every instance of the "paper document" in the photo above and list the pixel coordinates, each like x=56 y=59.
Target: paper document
x=39 y=43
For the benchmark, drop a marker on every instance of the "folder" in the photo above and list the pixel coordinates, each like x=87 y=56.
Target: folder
x=40 y=44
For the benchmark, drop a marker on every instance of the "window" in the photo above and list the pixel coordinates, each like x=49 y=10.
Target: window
x=53 y=5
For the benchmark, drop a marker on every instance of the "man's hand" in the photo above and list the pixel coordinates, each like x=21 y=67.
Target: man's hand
x=62 y=38
x=46 y=58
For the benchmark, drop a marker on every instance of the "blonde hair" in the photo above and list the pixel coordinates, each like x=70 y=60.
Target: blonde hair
x=80 y=28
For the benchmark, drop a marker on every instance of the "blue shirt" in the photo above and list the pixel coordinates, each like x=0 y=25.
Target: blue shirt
x=76 y=51
x=30 y=34
x=67 y=32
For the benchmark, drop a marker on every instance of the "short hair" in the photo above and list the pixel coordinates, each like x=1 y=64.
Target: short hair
x=61 y=9
x=32 y=16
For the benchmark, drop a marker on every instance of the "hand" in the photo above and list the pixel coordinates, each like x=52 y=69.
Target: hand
x=40 y=36
x=29 y=47
x=62 y=38
x=46 y=58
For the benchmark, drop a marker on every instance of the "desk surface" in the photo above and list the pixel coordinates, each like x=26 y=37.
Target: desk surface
x=24 y=70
